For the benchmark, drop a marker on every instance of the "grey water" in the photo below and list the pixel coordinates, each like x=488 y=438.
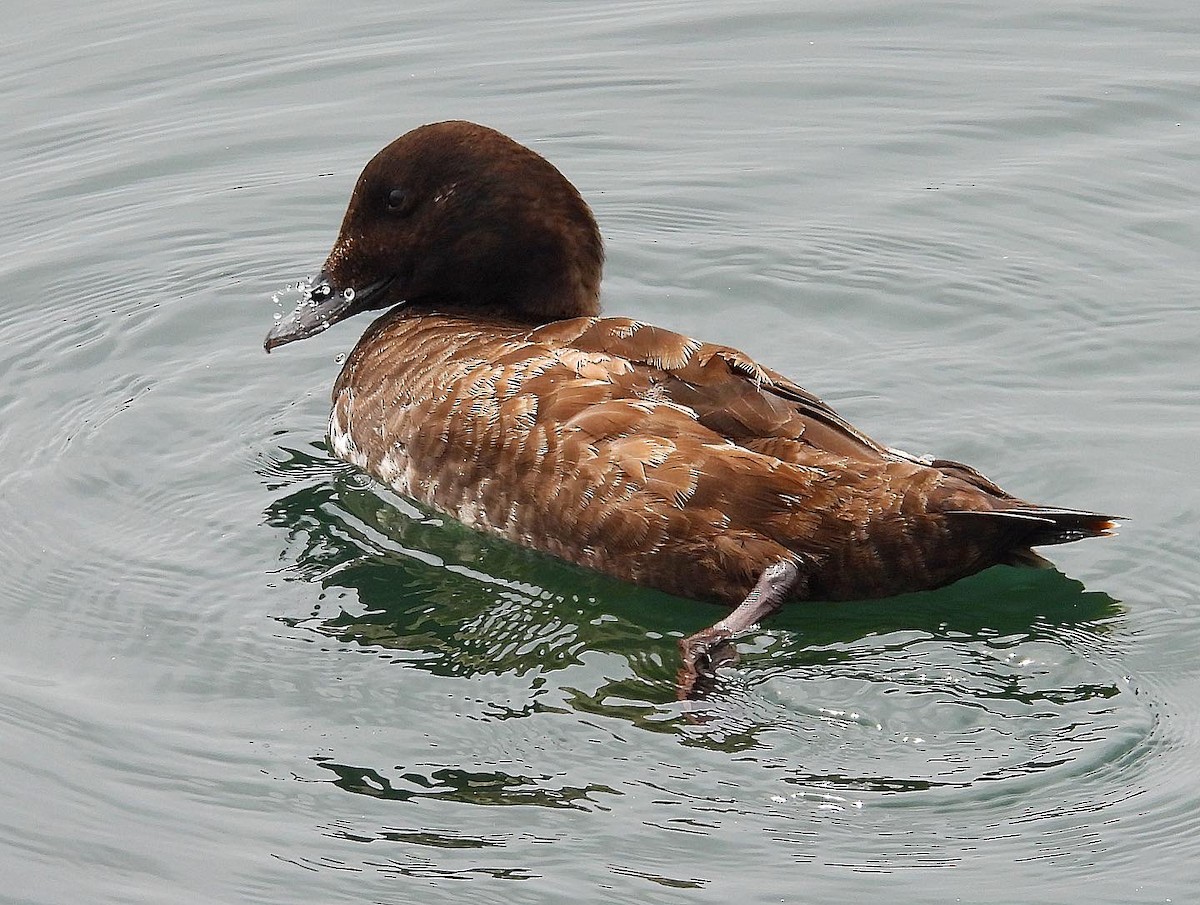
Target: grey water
x=232 y=669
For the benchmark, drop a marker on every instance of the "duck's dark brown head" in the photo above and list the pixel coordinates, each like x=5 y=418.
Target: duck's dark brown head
x=456 y=216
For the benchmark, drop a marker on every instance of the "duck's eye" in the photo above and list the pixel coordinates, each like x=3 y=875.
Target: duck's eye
x=398 y=202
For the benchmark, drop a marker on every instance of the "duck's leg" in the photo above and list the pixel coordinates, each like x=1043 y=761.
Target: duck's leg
x=707 y=649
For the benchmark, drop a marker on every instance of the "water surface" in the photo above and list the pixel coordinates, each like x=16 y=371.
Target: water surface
x=234 y=670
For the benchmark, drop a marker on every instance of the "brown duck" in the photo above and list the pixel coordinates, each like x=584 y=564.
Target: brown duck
x=494 y=392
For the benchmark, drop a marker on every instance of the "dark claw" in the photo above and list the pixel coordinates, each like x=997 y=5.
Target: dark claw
x=703 y=654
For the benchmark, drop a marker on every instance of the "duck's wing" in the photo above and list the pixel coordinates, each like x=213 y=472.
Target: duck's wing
x=728 y=391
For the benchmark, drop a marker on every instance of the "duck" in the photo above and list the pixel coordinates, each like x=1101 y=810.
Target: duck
x=492 y=390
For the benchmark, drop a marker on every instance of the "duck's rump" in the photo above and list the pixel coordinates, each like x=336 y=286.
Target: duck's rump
x=661 y=460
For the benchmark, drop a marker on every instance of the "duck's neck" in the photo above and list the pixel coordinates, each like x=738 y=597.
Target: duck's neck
x=560 y=279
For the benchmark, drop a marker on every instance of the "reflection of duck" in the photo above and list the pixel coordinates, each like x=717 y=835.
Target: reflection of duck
x=441 y=599
x=513 y=637
x=493 y=392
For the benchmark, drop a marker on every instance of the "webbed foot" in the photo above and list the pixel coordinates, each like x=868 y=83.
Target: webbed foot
x=704 y=652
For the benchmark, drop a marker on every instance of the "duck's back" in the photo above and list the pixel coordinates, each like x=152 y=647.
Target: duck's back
x=653 y=457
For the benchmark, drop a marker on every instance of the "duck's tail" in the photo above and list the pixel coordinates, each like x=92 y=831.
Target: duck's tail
x=1041 y=526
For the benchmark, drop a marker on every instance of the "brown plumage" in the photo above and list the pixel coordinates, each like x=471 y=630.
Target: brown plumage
x=495 y=393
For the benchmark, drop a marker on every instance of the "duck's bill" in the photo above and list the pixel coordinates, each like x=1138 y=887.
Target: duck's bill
x=323 y=308
x=311 y=317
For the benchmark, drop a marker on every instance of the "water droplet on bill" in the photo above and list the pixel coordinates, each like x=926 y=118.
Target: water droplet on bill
x=292 y=295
